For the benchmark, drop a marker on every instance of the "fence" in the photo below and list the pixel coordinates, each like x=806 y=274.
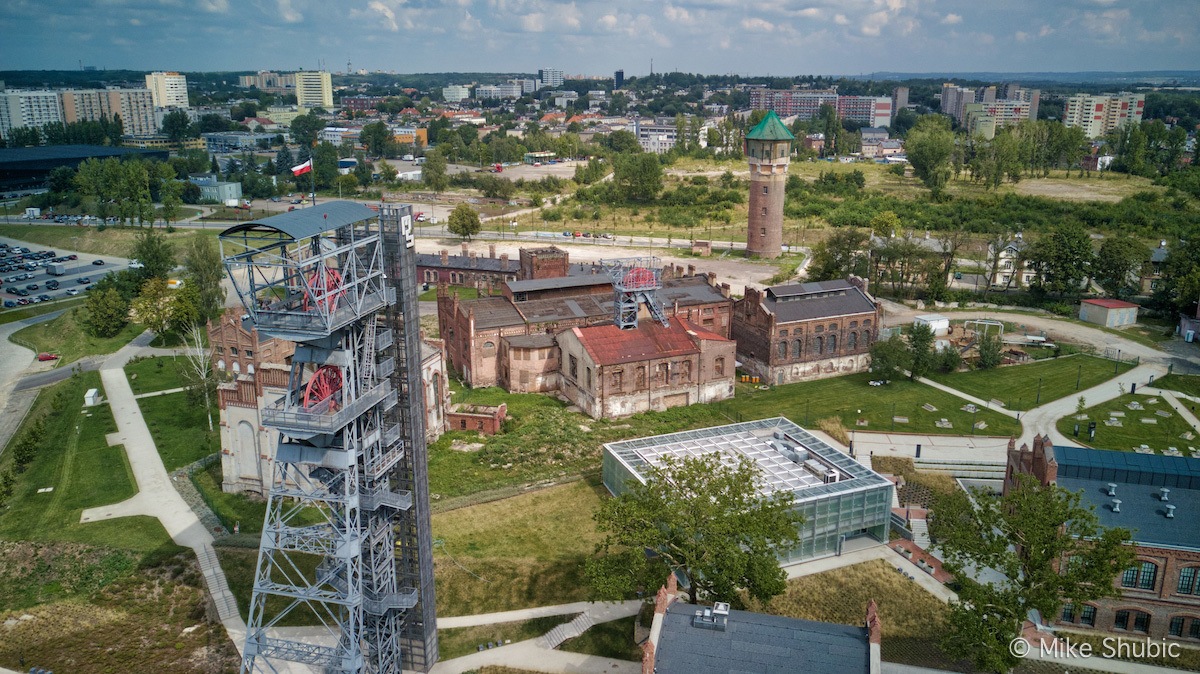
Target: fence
x=1115 y=355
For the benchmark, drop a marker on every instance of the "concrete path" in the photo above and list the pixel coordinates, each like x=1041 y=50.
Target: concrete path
x=156 y=495
x=986 y=404
x=153 y=394
x=1044 y=419
x=595 y=608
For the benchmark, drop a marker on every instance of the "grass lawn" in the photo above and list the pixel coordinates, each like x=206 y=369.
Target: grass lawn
x=231 y=509
x=613 y=639
x=239 y=564
x=456 y=642
x=518 y=552
x=912 y=618
x=1183 y=383
x=116 y=241
x=464 y=293
x=21 y=313
x=159 y=373
x=67 y=337
x=1165 y=432
x=1017 y=385
x=179 y=429
x=74 y=459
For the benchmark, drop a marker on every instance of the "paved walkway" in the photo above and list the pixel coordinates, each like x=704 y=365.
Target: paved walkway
x=1044 y=419
x=14 y=360
x=595 y=608
x=156 y=495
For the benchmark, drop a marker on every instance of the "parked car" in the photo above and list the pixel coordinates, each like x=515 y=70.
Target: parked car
x=32 y=286
x=84 y=280
x=98 y=262
x=9 y=304
x=47 y=356
x=45 y=298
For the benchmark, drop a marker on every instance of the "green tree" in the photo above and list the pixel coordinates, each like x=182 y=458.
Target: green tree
x=991 y=351
x=171 y=194
x=949 y=358
x=622 y=142
x=1063 y=258
x=889 y=357
x=283 y=161
x=1180 y=285
x=107 y=312
x=154 y=306
x=704 y=519
x=375 y=136
x=154 y=252
x=325 y=165
x=929 y=146
x=841 y=254
x=434 y=171
x=185 y=309
x=178 y=126
x=347 y=184
x=638 y=177
x=203 y=271
x=62 y=179
x=1118 y=264
x=387 y=172
x=464 y=221
x=1049 y=547
x=921 y=357
x=305 y=129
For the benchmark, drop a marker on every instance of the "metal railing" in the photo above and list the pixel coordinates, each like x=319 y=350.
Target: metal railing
x=318 y=323
x=398 y=500
x=320 y=418
x=406 y=598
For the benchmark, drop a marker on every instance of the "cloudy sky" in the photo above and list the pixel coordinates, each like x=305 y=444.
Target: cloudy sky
x=785 y=37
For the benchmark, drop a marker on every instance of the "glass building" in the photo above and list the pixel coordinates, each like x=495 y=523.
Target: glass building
x=839 y=498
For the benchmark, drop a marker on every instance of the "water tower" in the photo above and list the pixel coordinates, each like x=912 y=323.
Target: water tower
x=768 y=149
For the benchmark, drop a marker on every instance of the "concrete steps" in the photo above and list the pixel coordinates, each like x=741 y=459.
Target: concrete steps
x=920 y=532
x=968 y=469
x=565 y=631
x=218 y=587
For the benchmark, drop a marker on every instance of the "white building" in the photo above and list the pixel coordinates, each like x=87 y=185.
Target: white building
x=1097 y=115
x=550 y=77
x=492 y=91
x=527 y=86
x=314 y=89
x=456 y=93
x=167 y=89
x=34 y=109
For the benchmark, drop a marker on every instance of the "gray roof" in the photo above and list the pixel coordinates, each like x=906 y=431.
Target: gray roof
x=1159 y=254
x=492 y=312
x=495 y=264
x=821 y=299
x=559 y=282
x=756 y=642
x=21 y=156
x=308 y=222
x=1138 y=478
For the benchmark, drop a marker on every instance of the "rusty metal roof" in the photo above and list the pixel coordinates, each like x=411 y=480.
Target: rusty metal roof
x=610 y=345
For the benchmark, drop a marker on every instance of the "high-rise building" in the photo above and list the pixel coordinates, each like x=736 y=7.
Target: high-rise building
x=314 y=89
x=1007 y=105
x=550 y=77
x=618 y=79
x=456 y=93
x=870 y=110
x=266 y=80
x=486 y=91
x=33 y=109
x=1097 y=115
x=768 y=149
x=806 y=104
x=135 y=107
x=167 y=89
x=528 y=86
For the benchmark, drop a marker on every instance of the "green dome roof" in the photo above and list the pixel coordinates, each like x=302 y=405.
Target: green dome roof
x=770 y=128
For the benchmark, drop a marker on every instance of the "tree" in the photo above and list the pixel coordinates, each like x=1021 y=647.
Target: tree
x=177 y=126
x=387 y=172
x=930 y=145
x=948 y=358
x=185 y=309
x=889 y=357
x=842 y=254
x=200 y=382
x=204 y=271
x=1049 y=547
x=1063 y=258
x=283 y=161
x=464 y=221
x=702 y=518
x=376 y=136
x=1180 y=285
x=920 y=351
x=305 y=129
x=434 y=171
x=638 y=177
x=153 y=307
x=991 y=351
x=171 y=194
x=107 y=312
x=1117 y=265
x=154 y=252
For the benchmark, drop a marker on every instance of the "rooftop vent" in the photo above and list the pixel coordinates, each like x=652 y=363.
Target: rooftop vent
x=1112 y=488
x=1116 y=505
x=708 y=619
x=1163 y=494
x=721 y=608
x=1170 y=512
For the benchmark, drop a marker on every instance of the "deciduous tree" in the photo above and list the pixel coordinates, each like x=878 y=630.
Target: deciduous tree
x=153 y=306
x=154 y=252
x=464 y=221
x=920 y=351
x=704 y=519
x=930 y=145
x=1117 y=265
x=889 y=357
x=434 y=171
x=107 y=312
x=841 y=254
x=204 y=271
x=638 y=177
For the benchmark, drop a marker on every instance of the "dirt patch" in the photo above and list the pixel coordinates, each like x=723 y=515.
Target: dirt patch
x=1110 y=190
x=460 y=446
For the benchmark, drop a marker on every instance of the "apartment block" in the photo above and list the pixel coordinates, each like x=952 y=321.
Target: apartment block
x=869 y=110
x=802 y=103
x=167 y=89
x=550 y=77
x=456 y=93
x=492 y=91
x=135 y=107
x=20 y=109
x=314 y=89
x=266 y=80
x=1097 y=115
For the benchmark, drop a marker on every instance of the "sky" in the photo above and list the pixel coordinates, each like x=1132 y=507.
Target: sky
x=596 y=37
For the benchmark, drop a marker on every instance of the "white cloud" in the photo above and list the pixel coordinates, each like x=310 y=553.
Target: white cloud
x=214 y=6
x=1107 y=24
x=952 y=19
x=534 y=23
x=1045 y=30
x=677 y=14
x=608 y=21
x=469 y=24
x=389 y=17
x=811 y=13
x=288 y=13
x=758 y=25
x=873 y=23
x=841 y=20
x=1021 y=36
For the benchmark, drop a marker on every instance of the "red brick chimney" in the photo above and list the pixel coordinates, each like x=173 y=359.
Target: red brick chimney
x=492 y=250
x=647 y=657
x=504 y=261
x=474 y=260
x=874 y=637
x=464 y=250
x=445 y=257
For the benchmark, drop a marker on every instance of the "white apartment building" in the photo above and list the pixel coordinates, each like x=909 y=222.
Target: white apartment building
x=28 y=109
x=550 y=77
x=456 y=93
x=527 y=86
x=1097 y=115
x=167 y=89
x=135 y=107
x=487 y=91
x=314 y=89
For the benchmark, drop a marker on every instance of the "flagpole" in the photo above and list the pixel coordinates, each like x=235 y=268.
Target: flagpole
x=313 y=178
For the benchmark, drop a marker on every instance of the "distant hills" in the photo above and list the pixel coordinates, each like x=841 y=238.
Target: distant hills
x=1179 y=77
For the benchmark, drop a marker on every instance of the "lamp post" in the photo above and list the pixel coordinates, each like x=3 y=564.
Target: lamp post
x=1079 y=377
x=1039 y=395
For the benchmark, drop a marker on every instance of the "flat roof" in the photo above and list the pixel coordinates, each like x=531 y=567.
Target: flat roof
x=308 y=222
x=559 y=282
x=21 y=155
x=766 y=443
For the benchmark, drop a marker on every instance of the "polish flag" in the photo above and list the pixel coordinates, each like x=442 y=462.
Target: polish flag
x=301 y=169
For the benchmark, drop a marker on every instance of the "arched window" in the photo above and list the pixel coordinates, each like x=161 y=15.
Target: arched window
x=852 y=341
x=820 y=345
x=249 y=369
x=221 y=365
x=489 y=345
x=833 y=344
x=1189 y=580
x=796 y=349
x=783 y=349
x=236 y=367
x=1185 y=626
x=1133 y=621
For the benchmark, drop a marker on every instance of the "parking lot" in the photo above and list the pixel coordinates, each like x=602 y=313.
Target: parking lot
x=31 y=275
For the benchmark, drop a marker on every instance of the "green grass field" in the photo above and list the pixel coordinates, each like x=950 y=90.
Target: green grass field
x=239 y=563
x=231 y=509
x=460 y=641
x=115 y=241
x=76 y=462
x=463 y=293
x=1017 y=385
x=613 y=639
x=1163 y=433
x=67 y=337
x=160 y=373
x=179 y=429
x=1183 y=383
x=518 y=552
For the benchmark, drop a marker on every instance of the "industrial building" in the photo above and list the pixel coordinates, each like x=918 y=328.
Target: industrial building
x=29 y=167
x=841 y=500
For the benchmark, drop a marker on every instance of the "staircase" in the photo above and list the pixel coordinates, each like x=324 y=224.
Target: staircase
x=566 y=631
x=920 y=531
x=218 y=587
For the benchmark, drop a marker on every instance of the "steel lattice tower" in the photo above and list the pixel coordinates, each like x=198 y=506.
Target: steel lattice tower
x=636 y=280
x=346 y=541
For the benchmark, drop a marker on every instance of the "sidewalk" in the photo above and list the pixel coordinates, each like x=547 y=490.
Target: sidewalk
x=595 y=608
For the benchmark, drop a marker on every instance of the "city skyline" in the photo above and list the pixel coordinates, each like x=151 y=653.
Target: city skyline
x=839 y=37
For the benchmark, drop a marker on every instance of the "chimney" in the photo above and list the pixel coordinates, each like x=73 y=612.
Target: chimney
x=874 y=638
x=647 y=657
x=445 y=257
x=504 y=261
x=725 y=290
x=474 y=260
x=1170 y=512
x=691 y=270
x=492 y=250
x=1164 y=494
x=712 y=278
x=1116 y=505
x=464 y=250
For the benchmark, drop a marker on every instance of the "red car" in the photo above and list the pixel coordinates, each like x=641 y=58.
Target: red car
x=47 y=356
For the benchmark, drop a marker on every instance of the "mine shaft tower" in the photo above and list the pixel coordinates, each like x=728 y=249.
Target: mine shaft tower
x=636 y=281
x=346 y=540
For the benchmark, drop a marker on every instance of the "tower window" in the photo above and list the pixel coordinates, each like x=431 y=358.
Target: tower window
x=764 y=189
x=763 y=231
x=764 y=211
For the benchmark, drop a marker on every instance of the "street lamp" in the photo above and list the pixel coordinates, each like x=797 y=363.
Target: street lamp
x=1039 y=395
x=1079 y=377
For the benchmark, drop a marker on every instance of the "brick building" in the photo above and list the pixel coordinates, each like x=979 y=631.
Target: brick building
x=609 y=372
x=1160 y=593
x=256 y=371
x=491 y=273
x=805 y=331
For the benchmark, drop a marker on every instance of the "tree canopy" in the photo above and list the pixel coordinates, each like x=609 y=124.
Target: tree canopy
x=702 y=518
x=929 y=145
x=464 y=221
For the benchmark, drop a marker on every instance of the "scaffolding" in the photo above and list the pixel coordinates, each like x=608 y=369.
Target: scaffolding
x=346 y=544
